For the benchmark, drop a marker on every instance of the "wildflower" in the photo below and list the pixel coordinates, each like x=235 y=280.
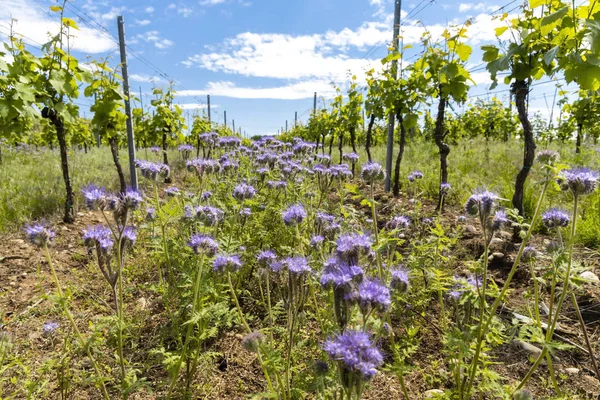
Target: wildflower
x=172 y=192
x=294 y=214
x=150 y=214
x=129 y=236
x=481 y=203
x=355 y=354
x=131 y=199
x=100 y=237
x=555 y=218
x=399 y=222
x=351 y=157
x=371 y=294
x=206 y=195
x=203 y=244
x=372 y=172
x=209 y=215
x=351 y=246
x=245 y=212
x=415 y=175
x=297 y=265
x=548 y=157
x=400 y=279
x=579 y=180
x=252 y=341
x=500 y=219
x=276 y=184
x=95 y=197
x=529 y=254
x=39 y=234
x=445 y=188
x=339 y=274
x=155 y=149
x=316 y=241
x=225 y=262
x=266 y=258
x=49 y=328
x=185 y=149
x=243 y=192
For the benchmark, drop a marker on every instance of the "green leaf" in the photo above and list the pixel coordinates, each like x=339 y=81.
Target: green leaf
x=56 y=8
x=500 y=30
x=463 y=51
x=536 y=3
x=551 y=55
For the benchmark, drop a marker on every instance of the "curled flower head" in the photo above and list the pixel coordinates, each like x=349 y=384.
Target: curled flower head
x=206 y=195
x=555 y=218
x=131 y=199
x=172 y=191
x=529 y=254
x=227 y=263
x=372 y=172
x=98 y=236
x=355 y=353
x=351 y=246
x=415 y=175
x=203 y=244
x=245 y=212
x=399 y=222
x=339 y=274
x=481 y=203
x=150 y=214
x=548 y=157
x=252 y=341
x=276 y=184
x=500 y=220
x=155 y=149
x=445 y=188
x=371 y=294
x=351 y=157
x=39 y=234
x=243 y=192
x=400 y=279
x=49 y=328
x=580 y=181
x=209 y=215
x=95 y=197
x=266 y=258
x=297 y=265
x=185 y=148
x=294 y=214
x=316 y=241
x=129 y=235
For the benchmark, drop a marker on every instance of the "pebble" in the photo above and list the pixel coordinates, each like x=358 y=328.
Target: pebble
x=80 y=214
x=572 y=371
x=589 y=276
x=498 y=255
x=432 y=393
x=239 y=336
x=496 y=244
x=528 y=347
x=471 y=229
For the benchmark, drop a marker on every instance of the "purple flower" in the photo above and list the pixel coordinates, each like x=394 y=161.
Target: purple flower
x=339 y=274
x=227 y=263
x=185 y=148
x=316 y=241
x=481 y=203
x=399 y=222
x=500 y=220
x=266 y=258
x=351 y=246
x=351 y=157
x=155 y=149
x=297 y=265
x=94 y=196
x=49 y=328
x=555 y=218
x=252 y=341
x=415 y=175
x=372 y=172
x=131 y=199
x=206 y=195
x=243 y=192
x=445 y=188
x=548 y=157
x=203 y=244
x=172 y=192
x=276 y=184
x=150 y=214
x=98 y=236
x=579 y=180
x=39 y=234
x=151 y=170
x=372 y=294
x=129 y=236
x=209 y=215
x=355 y=353
x=400 y=279
x=294 y=214
x=529 y=254
x=245 y=212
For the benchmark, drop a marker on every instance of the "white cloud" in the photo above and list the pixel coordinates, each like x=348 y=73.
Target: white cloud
x=155 y=38
x=142 y=22
x=293 y=91
x=113 y=13
x=36 y=25
x=146 y=78
x=149 y=10
x=211 y=2
x=464 y=7
x=196 y=106
x=186 y=12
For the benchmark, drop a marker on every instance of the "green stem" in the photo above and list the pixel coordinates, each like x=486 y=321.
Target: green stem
x=237 y=304
x=375 y=230
x=69 y=316
x=483 y=329
x=585 y=335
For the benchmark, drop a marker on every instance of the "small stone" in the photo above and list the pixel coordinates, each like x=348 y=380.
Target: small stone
x=572 y=371
x=86 y=363
x=498 y=256
x=471 y=229
x=13 y=284
x=497 y=244
x=528 y=347
x=80 y=214
x=239 y=336
x=589 y=276
x=433 y=393
x=24 y=275
x=64 y=228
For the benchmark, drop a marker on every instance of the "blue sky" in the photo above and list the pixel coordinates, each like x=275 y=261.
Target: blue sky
x=260 y=60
